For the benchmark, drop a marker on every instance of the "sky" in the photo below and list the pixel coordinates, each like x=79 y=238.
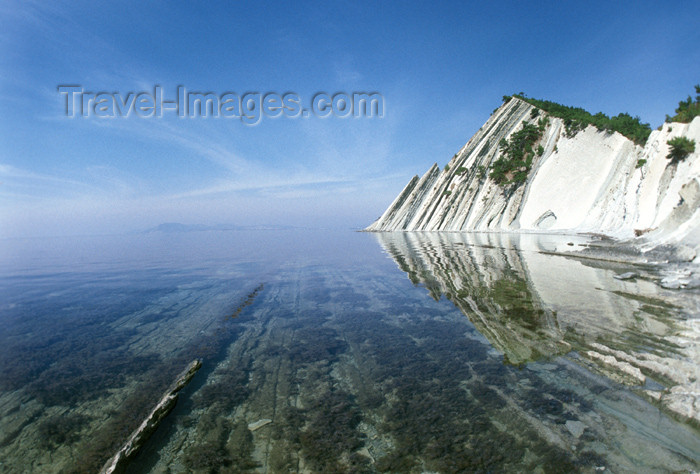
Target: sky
x=440 y=68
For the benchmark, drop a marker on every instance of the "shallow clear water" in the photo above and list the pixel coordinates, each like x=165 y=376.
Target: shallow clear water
x=368 y=352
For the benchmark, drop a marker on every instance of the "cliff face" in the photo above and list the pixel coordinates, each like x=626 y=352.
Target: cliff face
x=593 y=181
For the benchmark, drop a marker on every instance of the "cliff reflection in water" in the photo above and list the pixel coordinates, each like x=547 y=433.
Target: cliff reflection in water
x=533 y=305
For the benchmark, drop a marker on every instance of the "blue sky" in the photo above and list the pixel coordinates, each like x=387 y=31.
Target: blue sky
x=441 y=67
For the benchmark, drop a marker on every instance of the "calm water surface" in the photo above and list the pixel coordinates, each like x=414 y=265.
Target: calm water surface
x=327 y=351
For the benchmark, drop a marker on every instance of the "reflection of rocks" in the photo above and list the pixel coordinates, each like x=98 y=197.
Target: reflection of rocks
x=533 y=305
x=487 y=284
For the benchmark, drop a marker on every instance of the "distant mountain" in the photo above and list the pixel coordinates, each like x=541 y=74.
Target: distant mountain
x=170 y=227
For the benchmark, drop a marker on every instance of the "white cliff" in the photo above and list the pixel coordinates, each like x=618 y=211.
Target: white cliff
x=592 y=182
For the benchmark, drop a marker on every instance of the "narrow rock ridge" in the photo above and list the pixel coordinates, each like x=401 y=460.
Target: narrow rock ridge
x=119 y=461
x=593 y=182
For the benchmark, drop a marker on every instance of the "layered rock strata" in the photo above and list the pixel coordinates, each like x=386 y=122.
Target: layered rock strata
x=592 y=182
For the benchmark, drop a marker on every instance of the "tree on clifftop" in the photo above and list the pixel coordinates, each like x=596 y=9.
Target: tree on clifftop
x=687 y=109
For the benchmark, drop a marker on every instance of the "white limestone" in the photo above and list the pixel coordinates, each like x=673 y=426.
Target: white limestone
x=588 y=183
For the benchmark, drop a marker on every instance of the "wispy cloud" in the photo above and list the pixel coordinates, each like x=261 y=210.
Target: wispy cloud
x=94 y=182
x=13 y=179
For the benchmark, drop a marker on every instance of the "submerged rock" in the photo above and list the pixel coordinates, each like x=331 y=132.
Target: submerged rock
x=120 y=460
x=576 y=428
x=626 y=369
x=259 y=424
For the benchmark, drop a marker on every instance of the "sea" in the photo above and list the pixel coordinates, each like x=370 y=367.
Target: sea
x=343 y=351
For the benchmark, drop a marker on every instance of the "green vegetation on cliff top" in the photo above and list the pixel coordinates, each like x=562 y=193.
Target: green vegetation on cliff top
x=687 y=109
x=517 y=153
x=576 y=119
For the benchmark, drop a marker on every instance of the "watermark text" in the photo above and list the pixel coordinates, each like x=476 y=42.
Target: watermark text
x=249 y=107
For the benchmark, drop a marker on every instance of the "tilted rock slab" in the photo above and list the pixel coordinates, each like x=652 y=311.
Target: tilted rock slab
x=119 y=461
